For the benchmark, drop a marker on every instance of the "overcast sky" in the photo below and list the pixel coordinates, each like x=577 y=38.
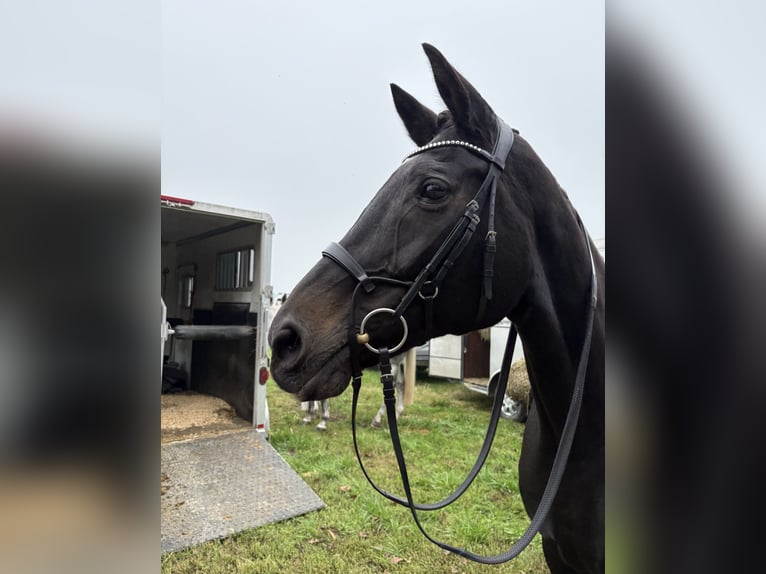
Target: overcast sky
x=284 y=107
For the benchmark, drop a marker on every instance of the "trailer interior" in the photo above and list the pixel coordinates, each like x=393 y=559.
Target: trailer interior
x=215 y=287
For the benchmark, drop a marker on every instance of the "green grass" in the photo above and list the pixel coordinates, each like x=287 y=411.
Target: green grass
x=361 y=532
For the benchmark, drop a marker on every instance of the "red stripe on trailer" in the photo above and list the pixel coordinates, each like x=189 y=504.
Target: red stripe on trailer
x=180 y=200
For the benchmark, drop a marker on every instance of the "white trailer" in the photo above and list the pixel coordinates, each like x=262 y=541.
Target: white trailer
x=461 y=357
x=216 y=287
x=471 y=357
x=476 y=360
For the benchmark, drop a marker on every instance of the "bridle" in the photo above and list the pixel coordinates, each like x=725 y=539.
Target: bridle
x=426 y=284
x=426 y=287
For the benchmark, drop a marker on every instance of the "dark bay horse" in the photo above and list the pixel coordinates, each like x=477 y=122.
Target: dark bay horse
x=541 y=282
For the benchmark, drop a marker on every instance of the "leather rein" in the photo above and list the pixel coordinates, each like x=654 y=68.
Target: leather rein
x=426 y=287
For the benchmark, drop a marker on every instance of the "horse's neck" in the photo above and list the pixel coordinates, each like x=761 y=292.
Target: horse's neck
x=552 y=317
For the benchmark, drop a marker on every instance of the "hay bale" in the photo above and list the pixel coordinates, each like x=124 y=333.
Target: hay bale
x=519 y=388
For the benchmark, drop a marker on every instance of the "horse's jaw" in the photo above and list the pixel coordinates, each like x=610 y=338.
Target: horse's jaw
x=321 y=380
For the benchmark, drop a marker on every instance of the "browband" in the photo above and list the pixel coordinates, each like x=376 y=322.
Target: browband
x=498 y=156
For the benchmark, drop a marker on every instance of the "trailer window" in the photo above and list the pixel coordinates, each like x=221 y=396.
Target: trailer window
x=186 y=291
x=234 y=270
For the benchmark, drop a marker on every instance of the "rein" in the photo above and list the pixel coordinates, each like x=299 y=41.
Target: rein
x=426 y=286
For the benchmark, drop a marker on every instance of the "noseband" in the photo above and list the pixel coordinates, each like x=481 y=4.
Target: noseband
x=426 y=287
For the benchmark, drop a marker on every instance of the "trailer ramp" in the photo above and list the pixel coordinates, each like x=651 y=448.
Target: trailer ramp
x=217 y=486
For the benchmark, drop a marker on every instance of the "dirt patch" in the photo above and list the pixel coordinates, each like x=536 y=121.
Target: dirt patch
x=190 y=415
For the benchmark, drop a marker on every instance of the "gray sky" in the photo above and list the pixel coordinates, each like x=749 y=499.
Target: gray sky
x=287 y=109
x=284 y=107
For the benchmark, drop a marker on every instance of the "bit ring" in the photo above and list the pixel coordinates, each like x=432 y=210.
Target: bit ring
x=362 y=335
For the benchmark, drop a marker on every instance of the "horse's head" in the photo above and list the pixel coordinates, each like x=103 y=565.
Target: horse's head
x=398 y=234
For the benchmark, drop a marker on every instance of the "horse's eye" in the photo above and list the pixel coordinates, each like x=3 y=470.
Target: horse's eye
x=433 y=191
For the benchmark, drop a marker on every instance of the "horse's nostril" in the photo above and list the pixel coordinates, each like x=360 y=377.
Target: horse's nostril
x=286 y=342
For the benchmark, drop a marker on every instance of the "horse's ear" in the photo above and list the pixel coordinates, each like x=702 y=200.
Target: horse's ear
x=470 y=112
x=417 y=118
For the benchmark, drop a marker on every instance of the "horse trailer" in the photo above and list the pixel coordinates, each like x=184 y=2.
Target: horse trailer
x=216 y=291
x=475 y=358
x=475 y=355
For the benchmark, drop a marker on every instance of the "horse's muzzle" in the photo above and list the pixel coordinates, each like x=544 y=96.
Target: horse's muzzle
x=287 y=340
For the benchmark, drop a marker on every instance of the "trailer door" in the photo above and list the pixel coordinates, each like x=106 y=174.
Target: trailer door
x=445 y=358
x=498 y=340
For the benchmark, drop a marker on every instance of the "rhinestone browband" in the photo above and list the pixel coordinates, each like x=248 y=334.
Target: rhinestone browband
x=469 y=146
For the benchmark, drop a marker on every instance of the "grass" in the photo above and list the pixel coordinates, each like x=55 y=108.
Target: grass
x=361 y=532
